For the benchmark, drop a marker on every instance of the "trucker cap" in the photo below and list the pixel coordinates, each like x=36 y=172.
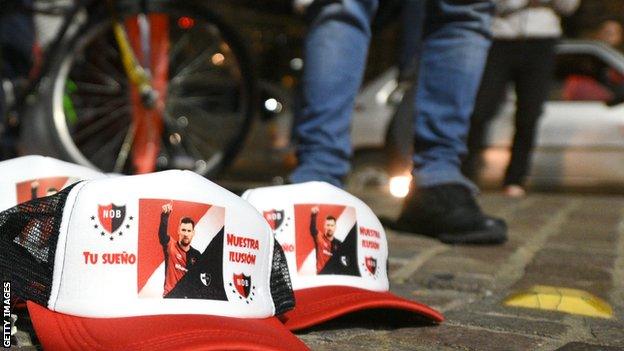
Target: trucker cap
x=336 y=250
x=29 y=177
x=159 y=261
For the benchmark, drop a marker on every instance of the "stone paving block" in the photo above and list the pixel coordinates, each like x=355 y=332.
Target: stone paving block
x=490 y=256
x=582 y=246
x=372 y=340
x=607 y=331
x=573 y=259
x=466 y=282
x=530 y=327
x=541 y=208
x=584 y=230
x=394 y=265
x=580 y=346
x=578 y=273
x=461 y=263
x=433 y=298
x=599 y=210
x=465 y=338
x=408 y=245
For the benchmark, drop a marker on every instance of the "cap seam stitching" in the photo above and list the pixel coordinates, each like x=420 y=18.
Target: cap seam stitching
x=71 y=214
x=270 y=270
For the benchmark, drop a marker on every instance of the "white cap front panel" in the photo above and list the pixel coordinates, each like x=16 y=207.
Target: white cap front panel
x=163 y=243
x=329 y=236
x=26 y=178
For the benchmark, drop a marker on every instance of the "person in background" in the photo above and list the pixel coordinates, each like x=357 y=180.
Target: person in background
x=17 y=41
x=441 y=202
x=525 y=34
x=610 y=32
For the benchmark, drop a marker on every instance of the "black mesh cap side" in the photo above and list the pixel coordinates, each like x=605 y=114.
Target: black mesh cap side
x=28 y=237
x=281 y=286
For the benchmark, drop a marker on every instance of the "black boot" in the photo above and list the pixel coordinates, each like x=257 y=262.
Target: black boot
x=449 y=213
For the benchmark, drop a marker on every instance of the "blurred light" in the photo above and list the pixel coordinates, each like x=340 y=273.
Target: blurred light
x=296 y=64
x=217 y=59
x=183 y=121
x=186 y=22
x=273 y=105
x=288 y=81
x=175 y=139
x=399 y=185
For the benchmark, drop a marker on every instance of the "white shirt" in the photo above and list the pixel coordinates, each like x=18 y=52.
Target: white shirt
x=514 y=20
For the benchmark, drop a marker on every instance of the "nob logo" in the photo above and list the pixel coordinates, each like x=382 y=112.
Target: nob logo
x=243 y=286
x=276 y=218
x=110 y=220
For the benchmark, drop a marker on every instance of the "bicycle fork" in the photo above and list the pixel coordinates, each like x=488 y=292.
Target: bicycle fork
x=144 y=43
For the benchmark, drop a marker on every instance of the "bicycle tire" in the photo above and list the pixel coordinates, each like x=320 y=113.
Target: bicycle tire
x=49 y=134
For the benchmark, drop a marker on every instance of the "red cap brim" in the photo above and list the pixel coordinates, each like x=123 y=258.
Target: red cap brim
x=317 y=305
x=57 y=331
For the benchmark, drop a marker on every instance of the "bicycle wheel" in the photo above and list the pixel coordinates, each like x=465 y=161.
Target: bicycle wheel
x=208 y=94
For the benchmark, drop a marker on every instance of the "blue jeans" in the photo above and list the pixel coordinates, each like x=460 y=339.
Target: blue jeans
x=454 y=49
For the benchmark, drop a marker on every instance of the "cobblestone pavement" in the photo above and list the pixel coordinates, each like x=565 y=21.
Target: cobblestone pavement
x=559 y=240
x=567 y=241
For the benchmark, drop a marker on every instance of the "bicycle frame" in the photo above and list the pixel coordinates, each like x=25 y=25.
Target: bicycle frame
x=147 y=93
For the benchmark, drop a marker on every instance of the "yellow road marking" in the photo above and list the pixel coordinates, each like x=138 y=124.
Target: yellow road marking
x=572 y=301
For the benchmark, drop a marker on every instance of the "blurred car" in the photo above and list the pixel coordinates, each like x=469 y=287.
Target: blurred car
x=580 y=139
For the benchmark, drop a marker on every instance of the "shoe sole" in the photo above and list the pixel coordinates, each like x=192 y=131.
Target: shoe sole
x=496 y=234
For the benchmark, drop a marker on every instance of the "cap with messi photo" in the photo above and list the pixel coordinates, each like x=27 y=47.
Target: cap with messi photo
x=336 y=251
x=159 y=261
x=30 y=177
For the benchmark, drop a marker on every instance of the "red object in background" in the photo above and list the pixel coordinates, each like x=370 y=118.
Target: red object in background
x=584 y=88
x=149 y=122
x=185 y=22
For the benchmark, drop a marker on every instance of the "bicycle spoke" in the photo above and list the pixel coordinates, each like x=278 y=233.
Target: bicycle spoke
x=124 y=151
x=204 y=56
x=90 y=101
x=108 y=66
x=178 y=45
x=93 y=144
x=205 y=145
x=100 y=124
x=98 y=88
x=109 y=147
x=91 y=111
x=102 y=75
x=195 y=100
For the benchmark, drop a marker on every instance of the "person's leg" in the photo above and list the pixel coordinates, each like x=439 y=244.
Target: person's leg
x=412 y=22
x=335 y=56
x=17 y=38
x=491 y=95
x=533 y=81
x=454 y=52
x=441 y=202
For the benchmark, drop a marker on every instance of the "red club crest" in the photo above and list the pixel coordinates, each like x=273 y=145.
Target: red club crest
x=371 y=264
x=111 y=217
x=242 y=283
x=274 y=217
